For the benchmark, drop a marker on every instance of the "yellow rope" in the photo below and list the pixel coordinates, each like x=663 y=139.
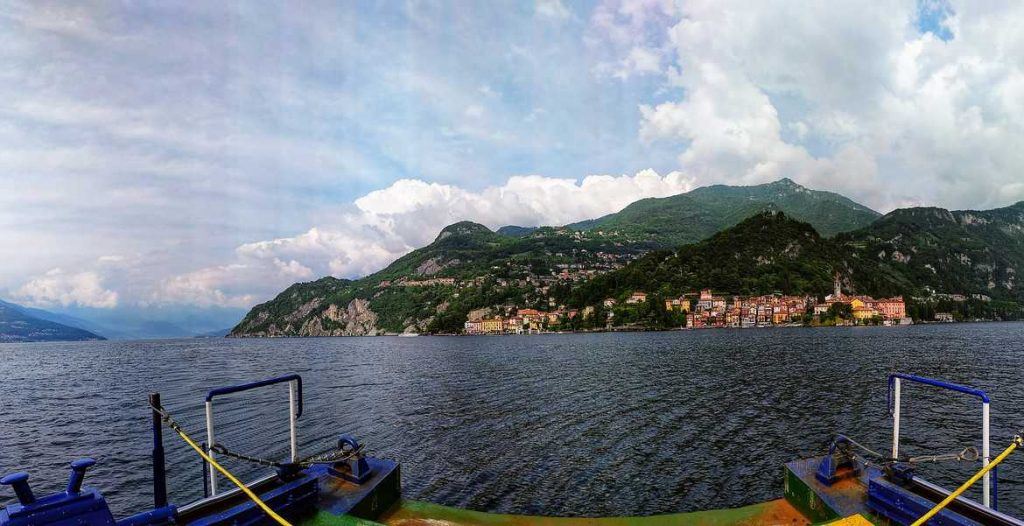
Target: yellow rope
x=1017 y=440
x=273 y=515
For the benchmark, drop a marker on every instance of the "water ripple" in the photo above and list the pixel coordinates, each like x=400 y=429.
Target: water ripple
x=602 y=424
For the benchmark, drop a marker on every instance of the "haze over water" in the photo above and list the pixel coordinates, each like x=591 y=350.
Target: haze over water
x=587 y=424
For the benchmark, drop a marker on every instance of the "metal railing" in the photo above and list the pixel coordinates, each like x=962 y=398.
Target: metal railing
x=989 y=490
x=294 y=382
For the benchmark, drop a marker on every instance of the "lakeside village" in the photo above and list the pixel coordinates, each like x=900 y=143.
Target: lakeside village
x=703 y=310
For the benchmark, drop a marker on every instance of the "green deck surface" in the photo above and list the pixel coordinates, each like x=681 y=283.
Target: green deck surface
x=416 y=513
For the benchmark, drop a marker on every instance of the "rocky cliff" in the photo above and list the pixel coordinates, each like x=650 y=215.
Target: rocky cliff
x=315 y=317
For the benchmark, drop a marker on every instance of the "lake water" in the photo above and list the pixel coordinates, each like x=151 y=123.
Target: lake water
x=587 y=424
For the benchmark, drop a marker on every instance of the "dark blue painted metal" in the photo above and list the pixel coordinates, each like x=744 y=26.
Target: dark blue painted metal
x=838 y=456
x=154 y=517
x=78 y=469
x=901 y=473
x=60 y=509
x=289 y=499
x=904 y=507
x=366 y=500
x=356 y=469
x=995 y=488
x=204 y=469
x=159 y=461
x=75 y=506
x=933 y=382
x=19 y=481
x=254 y=385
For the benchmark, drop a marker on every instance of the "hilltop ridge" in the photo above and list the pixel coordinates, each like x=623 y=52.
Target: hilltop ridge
x=699 y=213
x=778 y=236
x=22 y=324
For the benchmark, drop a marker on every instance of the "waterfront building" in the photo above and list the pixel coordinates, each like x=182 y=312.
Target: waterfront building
x=892 y=308
x=474 y=327
x=493 y=325
x=514 y=325
x=705 y=301
x=864 y=307
x=863 y=312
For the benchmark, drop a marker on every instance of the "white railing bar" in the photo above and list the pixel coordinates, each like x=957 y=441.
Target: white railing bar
x=293 y=419
x=209 y=445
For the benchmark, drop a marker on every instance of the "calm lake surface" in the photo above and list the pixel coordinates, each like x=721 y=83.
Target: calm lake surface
x=587 y=424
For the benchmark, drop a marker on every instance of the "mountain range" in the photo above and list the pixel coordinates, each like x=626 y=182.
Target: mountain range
x=23 y=324
x=122 y=323
x=696 y=215
x=773 y=237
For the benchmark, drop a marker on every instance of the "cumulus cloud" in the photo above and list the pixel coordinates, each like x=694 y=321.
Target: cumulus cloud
x=390 y=222
x=58 y=287
x=857 y=98
x=218 y=172
x=629 y=36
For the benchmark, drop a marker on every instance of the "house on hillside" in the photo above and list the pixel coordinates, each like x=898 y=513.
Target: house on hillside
x=637 y=297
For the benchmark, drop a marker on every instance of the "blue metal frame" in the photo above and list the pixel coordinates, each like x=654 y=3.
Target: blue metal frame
x=904 y=507
x=982 y=395
x=936 y=383
x=254 y=385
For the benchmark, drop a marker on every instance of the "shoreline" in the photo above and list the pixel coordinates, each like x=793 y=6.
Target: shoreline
x=630 y=330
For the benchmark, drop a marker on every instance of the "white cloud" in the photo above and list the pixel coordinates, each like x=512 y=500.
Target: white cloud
x=552 y=9
x=873 y=107
x=390 y=222
x=238 y=284
x=629 y=36
x=417 y=209
x=57 y=287
x=190 y=142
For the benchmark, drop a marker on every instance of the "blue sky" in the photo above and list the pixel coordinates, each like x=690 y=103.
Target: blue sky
x=207 y=154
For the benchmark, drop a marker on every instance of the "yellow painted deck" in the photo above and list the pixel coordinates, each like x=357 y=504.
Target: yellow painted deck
x=415 y=513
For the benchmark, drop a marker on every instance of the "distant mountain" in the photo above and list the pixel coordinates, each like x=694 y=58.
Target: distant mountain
x=765 y=253
x=695 y=215
x=19 y=324
x=962 y=251
x=912 y=252
x=219 y=333
x=132 y=323
x=407 y=296
x=516 y=231
x=70 y=321
x=746 y=240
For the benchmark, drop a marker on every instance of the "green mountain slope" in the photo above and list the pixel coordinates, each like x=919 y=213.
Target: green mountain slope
x=695 y=215
x=965 y=252
x=392 y=300
x=768 y=252
x=18 y=325
x=911 y=252
x=516 y=231
x=758 y=240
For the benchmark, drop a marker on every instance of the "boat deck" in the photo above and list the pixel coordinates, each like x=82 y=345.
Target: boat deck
x=418 y=513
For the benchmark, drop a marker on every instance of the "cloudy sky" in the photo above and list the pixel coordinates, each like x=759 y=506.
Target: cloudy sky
x=158 y=154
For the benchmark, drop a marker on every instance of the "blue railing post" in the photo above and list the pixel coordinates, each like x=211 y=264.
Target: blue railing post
x=989 y=488
x=294 y=409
